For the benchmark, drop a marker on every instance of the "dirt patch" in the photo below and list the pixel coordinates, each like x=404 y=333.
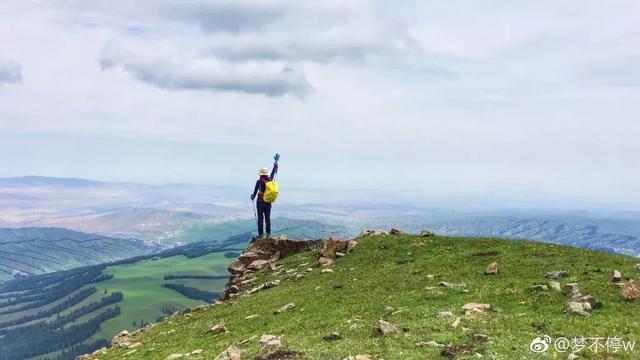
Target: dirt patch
x=278 y=355
x=454 y=350
x=485 y=253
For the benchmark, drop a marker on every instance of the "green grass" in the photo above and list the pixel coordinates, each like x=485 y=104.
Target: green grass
x=143 y=295
x=392 y=272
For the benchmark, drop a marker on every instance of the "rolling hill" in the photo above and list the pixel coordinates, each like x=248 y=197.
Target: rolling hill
x=410 y=297
x=62 y=314
x=28 y=251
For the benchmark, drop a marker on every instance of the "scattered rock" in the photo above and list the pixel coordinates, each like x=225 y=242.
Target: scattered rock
x=135 y=345
x=540 y=288
x=232 y=353
x=300 y=276
x=595 y=304
x=359 y=357
x=83 y=357
x=555 y=286
x=456 y=323
x=636 y=267
x=429 y=344
x=384 y=328
x=324 y=261
x=616 y=276
x=578 y=308
x=251 y=317
x=197 y=352
x=447 y=313
x=572 y=356
x=270 y=343
x=175 y=356
x=324 y=271
x=451 y=285
x=481 y=337
x=219 y=328
x=492 y=269
x=555 y=275
x=427 y=233
x=122 y=339
x=287 y=307
x=631 y=290
x=475 y=308
x=571 y=290
x=396 y=232
x=332 y=337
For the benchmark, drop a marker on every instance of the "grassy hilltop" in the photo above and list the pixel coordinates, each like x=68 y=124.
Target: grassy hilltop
x=396 y=278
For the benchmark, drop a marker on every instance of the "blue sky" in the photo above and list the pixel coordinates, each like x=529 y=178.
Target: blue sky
x=446 y=97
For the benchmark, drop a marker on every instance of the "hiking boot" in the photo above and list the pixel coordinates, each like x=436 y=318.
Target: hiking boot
x=268 y=236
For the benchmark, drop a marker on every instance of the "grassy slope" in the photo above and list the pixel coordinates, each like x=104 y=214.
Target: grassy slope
x=392 y=271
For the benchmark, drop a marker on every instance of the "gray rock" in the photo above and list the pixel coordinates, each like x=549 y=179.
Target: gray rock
x=232 y=353
x=270 y=343
x=555 y=286
x=555 y=275
x=571 y=290
x=287 y=307
x=578 y=308
x=616 y=276
x=384 y=328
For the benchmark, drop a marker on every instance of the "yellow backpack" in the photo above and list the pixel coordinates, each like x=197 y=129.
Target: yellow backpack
x=270 y=192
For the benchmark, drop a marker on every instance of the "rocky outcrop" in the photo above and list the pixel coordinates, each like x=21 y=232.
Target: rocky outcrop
x=263 y=253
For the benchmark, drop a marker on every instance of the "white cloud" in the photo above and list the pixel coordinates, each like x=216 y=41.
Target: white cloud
x=464 y=95
x=10 y=71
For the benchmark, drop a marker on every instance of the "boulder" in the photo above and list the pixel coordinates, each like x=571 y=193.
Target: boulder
x=285 y=308
x=475 y=308
x=427 y=233
x=384 y=328
x=555 y=275
x=176 y=356
x=456 y=323
x=492 y=269
x=258 y=264
x=232 y=353
x=578 y=308
x=631 y=290
x=555 y=286
x=571 y=290
x=122 y=339
x=616 y=276
x=451 y=285
x=332 y=246
x=219 y=328
x=396 y=232
x=593 y=303
x=270 y=343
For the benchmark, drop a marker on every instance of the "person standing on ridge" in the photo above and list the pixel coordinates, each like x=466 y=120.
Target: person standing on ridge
x=267 y=191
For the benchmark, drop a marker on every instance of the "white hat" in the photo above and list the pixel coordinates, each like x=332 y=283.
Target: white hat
x=263 y=171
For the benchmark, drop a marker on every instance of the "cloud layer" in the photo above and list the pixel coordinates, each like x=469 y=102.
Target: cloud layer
x=465 y=96
x=10 y=71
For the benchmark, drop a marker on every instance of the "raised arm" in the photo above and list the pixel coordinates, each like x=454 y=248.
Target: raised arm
x=274 y=171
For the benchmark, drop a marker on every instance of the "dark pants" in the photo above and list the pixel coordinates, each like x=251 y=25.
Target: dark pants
x=264 y=215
